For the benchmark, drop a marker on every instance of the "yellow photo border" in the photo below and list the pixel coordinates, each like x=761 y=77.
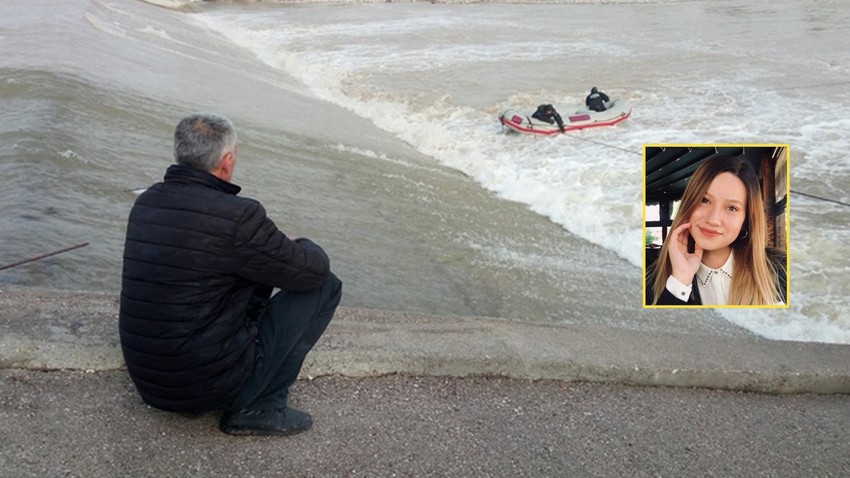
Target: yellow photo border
x=787 y=150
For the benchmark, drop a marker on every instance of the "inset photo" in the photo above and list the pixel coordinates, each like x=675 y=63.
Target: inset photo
x=716 y=225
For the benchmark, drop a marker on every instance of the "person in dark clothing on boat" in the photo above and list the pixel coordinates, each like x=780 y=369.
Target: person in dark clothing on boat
x=200 y=329
x=596 y=100
x=548 y=114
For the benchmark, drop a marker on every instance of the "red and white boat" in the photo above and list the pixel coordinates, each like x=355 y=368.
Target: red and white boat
x=616 y=111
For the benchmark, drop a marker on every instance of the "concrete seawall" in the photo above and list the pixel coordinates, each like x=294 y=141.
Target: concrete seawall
x=44 y=329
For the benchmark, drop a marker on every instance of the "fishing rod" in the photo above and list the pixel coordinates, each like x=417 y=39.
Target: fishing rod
x=38 y=258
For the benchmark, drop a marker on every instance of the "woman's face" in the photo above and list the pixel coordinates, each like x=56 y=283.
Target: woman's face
x=717 y=219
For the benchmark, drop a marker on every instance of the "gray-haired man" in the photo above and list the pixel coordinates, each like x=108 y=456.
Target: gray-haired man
x=200 y=330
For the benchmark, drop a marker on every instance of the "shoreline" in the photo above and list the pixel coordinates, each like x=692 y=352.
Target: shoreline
x=47 y=329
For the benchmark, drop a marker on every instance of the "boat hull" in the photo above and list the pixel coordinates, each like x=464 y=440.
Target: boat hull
x=617 y=111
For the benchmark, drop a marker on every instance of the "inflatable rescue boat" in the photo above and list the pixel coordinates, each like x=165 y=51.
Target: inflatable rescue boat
x=615 y=112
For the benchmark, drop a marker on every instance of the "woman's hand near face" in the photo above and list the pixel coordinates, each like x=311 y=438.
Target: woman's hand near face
x=685 y=264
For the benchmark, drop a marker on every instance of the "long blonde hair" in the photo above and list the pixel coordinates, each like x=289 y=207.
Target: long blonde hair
x=754 y=276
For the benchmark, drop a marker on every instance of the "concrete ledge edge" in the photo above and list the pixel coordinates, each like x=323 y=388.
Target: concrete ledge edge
x=321 y=363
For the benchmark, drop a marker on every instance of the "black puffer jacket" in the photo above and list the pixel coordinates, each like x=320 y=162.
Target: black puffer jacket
x=194 y=258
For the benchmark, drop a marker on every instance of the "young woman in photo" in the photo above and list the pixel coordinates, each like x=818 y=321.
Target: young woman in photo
x=716 y=251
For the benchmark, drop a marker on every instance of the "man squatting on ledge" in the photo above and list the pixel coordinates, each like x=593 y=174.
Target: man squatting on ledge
x=200 y=328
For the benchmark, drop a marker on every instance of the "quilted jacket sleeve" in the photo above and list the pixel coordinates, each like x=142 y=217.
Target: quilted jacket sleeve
x=265 y=255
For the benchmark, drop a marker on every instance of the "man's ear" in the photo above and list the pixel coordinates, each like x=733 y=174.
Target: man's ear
x=225 y=167
x=228 y=163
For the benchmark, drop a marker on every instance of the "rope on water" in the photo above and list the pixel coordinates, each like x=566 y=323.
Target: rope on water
x=812 y=196
x=811 y=86
x=820 y=198
x=606 y=145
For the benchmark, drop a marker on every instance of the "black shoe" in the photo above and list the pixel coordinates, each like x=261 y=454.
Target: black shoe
x=285 y=421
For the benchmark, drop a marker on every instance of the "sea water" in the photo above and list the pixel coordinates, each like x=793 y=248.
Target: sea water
x=372 y=127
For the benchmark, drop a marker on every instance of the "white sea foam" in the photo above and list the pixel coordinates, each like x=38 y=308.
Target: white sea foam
x=105 y=27
x=156 y=32
x=438 y=77
x=383 y=157
x=173 y=4
x=70 y=154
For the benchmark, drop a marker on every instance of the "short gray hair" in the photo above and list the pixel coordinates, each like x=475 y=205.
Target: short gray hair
x=202 y=139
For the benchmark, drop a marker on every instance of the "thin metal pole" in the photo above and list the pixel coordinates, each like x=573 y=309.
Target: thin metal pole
x=37 y=258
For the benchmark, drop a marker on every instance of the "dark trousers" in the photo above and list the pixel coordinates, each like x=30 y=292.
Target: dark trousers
x=289 y=328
